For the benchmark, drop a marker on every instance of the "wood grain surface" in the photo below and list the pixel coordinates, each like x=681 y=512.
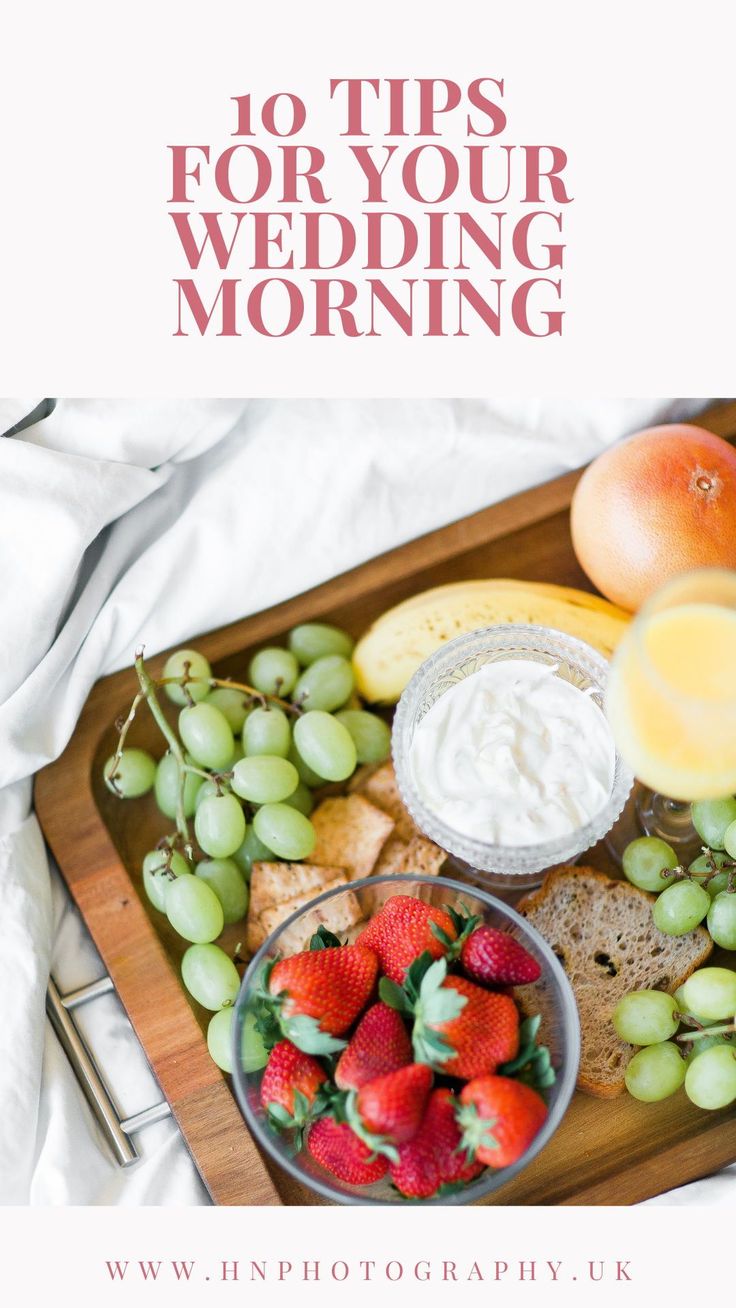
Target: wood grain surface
x=605 y=1152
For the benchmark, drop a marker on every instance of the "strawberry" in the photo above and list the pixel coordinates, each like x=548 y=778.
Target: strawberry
x=499 y=1118
x=440 y=1124
x=380 y=1045
x=336 y=1146
x=319 y=993
x=290 y=1086
x=433 y=1157
x=459 y=1028
x=415 y=1172
x=405 y=928
x=495 y=958
x=387 y=1112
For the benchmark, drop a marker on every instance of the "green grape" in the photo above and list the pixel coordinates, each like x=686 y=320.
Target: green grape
x=274 y=671
x=265 y=780
x=235 y=757
x=325 y=684
x=285 y=830
x=644 y=860
x=680 y=908
x=252 y=851
x=697 y=1047
x=194 y=910
x=721 y=920
x=166 y=787
x=207 y=735
x=156 y=881
x=710 y=993
x=701 y=867
x=371 y=735
x=219 y=825
x=267 y=731
x=198 y=667
x=134 y=775
x=325 y=745
x=317 y=640
x=208 y=788
x=712 y=818
x=655 y=1073
x=226 y=879
x=210 y=976
x=711 y=1078
x=645 y=1017
x=220 y=1038
x=302 y=799
x=253 y=1052
x=306 y=774
x=729 y=840
x=682 y=1007
x=234 y=705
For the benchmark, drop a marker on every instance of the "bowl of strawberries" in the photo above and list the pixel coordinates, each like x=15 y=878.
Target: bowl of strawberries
x=427 y=1052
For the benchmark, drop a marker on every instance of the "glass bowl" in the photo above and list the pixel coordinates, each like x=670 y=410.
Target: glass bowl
x=553 y=998
x=575 y=662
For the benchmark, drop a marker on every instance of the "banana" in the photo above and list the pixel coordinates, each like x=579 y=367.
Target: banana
x=392 y=649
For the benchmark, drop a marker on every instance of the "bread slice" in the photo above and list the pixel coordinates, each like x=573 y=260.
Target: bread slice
x=603 y=934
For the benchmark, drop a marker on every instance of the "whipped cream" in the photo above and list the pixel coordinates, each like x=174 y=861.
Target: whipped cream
x=514 y=755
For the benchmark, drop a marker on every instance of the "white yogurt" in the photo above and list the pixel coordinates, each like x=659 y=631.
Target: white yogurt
x=514 y=755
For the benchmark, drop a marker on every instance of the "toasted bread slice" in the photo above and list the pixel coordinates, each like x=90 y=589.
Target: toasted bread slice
x=350 y=834
x=603 y=934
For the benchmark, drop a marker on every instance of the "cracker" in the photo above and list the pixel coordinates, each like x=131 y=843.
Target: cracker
x=405 y=858
x=276 y=884
x=350 y=834
x=337 y=916
x=381 y=789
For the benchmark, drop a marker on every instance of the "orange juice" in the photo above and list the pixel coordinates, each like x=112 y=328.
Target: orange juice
x=671 y=700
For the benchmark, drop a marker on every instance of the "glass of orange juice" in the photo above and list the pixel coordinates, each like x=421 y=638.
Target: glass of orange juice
x=671 y=700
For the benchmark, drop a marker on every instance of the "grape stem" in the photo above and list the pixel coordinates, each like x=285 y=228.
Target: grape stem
x=258 y=696
x=148 y=691
x=723 y=1029
x=123 y=730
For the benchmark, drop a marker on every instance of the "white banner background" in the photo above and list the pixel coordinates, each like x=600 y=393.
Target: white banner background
x=640 y=96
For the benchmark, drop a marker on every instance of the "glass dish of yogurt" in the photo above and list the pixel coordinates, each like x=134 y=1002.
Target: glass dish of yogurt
x=503 y=754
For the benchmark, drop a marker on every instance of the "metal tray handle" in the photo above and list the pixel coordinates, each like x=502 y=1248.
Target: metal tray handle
x=116 y=1129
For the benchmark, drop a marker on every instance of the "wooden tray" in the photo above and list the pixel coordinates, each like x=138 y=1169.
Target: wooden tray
x=614 y=1152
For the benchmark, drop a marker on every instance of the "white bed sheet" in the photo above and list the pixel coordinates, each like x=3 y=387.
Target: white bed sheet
x=128 y=522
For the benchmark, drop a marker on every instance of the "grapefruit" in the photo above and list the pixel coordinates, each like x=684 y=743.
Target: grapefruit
x=660 y=503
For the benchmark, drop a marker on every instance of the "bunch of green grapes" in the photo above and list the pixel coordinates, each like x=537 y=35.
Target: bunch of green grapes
x=706 y=890
x=243 y=765
x=702 y=1057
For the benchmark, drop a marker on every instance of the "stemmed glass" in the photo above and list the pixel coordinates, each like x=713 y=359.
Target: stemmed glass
x=671 y=703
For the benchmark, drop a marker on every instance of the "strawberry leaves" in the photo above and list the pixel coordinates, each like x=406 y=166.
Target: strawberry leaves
x=378 y=1144
x=305 y=1112
x=477 y=1131
x=423 y=997
x=532 y=1064
x=324 y=939
x=464 y=924
x=306 y=1033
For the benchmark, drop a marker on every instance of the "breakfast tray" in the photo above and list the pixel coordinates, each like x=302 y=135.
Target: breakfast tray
x=605 y=1152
